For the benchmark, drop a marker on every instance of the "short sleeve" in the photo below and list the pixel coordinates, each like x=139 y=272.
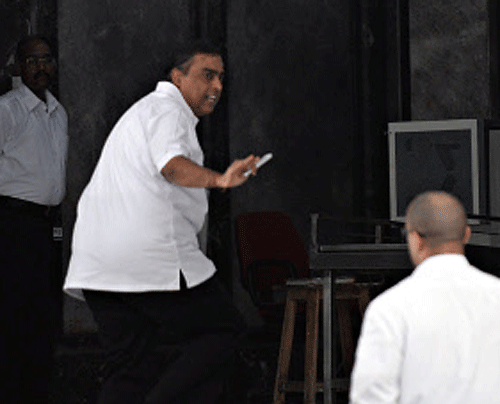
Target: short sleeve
x=6 y=124
x=167 y=137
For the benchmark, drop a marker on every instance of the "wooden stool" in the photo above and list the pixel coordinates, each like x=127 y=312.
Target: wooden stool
x=311 y=291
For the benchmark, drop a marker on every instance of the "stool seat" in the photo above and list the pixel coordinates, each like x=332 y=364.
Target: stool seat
x=311 y=292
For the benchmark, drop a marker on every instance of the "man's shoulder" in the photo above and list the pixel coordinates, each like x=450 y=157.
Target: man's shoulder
x=480 y=277
x=158 y=96
x=10 y=96
x=152 y=106
x=395 y=296
x=158 y=104
x=12 y=103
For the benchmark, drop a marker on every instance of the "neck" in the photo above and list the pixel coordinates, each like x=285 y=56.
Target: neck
x=428 y=251
x=447 y=248
x=41 y=95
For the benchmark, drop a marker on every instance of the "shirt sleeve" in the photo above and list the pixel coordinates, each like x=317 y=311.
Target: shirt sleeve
x=379 y=357
x=6 y=125
x=168 y=138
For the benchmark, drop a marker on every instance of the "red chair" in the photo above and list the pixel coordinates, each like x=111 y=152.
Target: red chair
x=270 y=252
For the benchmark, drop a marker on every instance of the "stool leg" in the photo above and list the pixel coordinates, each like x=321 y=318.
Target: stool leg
x=346 y=338
x=311 y=354
x=285 y=348
x=363 y=300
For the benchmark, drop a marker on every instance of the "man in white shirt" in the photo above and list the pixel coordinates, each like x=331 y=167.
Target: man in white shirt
x=135 y=254
x=433 y=338
x=33 y=144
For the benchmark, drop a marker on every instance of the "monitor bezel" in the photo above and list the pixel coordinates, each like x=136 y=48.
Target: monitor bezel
x=437 y=125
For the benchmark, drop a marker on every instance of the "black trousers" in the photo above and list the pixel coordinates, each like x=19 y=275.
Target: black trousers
x=29 y=305
x=166 y=347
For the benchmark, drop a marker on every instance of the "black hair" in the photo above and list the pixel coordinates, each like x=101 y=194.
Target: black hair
x=24 y=41
x=180 y=57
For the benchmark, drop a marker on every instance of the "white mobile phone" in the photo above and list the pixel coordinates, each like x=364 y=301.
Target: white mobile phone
x=263 y=160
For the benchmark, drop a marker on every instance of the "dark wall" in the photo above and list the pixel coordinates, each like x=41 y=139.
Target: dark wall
x=292 y=92
x=450 y=59
x=19 y=18
x=12 y=26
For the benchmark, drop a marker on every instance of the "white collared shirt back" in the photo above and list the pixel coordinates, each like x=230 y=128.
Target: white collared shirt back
x=434 y=338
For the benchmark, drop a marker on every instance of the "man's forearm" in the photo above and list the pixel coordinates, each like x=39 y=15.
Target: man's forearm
x=186 y=173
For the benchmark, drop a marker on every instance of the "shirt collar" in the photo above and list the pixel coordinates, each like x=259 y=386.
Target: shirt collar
x=168 y=88
x=441 y=265
x=32 y=101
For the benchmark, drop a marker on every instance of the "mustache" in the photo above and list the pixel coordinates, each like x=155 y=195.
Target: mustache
x=40 y=74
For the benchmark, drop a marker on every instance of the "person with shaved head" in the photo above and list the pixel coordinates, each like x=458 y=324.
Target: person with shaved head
x=435 y=336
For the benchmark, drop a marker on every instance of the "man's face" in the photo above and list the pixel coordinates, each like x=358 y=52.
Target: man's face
x=37 y=66
x=201 y=86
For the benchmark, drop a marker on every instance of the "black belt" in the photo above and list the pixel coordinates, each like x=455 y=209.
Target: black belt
x=27 y=207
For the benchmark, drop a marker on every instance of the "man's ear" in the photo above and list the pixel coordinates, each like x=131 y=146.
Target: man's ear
x=419 y=242
x=467 y=234
x=177 y=76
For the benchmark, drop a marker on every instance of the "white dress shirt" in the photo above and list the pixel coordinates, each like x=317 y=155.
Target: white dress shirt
x=33 y=147
x=434 y=338
x=135 y=230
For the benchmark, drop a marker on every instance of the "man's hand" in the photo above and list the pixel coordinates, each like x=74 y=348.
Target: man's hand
x=234 y=173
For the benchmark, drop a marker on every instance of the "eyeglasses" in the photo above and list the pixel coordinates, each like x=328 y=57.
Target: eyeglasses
x=34 y=60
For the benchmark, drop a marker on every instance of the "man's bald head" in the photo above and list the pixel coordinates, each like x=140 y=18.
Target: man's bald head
x=438 y=216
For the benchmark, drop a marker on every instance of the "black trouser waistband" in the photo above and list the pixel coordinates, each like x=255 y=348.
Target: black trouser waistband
x=27 y=207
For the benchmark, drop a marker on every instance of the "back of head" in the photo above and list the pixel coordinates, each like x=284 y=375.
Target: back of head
x=438 y=217
x=180 y=57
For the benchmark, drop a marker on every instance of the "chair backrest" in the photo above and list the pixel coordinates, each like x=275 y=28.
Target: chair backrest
x=270 y=240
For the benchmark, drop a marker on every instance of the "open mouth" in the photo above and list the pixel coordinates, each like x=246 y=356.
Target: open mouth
x=213 y=98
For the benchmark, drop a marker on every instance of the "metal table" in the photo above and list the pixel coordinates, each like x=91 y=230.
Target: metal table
x=334 y=261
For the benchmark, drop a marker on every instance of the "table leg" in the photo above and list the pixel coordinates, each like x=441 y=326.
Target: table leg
x=327 y=338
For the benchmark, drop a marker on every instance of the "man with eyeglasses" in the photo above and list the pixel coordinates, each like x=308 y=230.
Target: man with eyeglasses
x=435 y=336
x=33 y=148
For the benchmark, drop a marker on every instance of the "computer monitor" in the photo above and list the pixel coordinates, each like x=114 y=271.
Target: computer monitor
x=446 y=155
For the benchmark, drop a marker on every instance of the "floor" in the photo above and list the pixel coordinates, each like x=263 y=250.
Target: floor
x=76 y=371
x=78 y=359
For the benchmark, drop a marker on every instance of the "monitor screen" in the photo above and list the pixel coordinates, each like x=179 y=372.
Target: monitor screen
x=433 y=155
